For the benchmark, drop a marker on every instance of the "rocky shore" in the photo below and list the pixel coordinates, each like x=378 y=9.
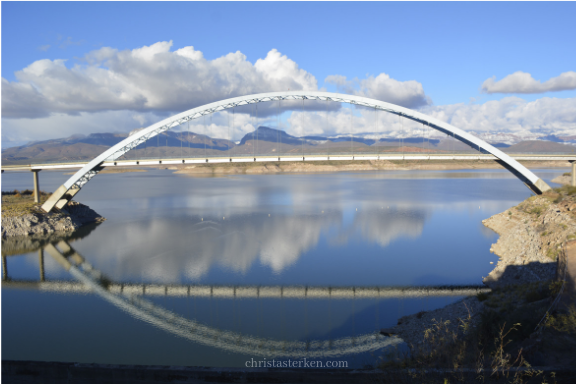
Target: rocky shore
x=531 y=237
x=68 y=219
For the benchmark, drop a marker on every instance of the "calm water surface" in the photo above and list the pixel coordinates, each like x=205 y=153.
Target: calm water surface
x=282 y=232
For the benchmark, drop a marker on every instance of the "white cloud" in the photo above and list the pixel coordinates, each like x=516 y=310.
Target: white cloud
x=20 y=131
x=151 y=78
x=117 y=91
x=511 y=114
x=409 y=94
x=522 y=82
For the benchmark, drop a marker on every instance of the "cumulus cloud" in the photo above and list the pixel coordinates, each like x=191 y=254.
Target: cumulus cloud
x=522 y=82
x=109 y=90
x=409 y=94
x=151 y=78
x=511 y=114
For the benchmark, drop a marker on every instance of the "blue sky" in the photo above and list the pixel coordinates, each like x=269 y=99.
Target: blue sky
x=450 y=49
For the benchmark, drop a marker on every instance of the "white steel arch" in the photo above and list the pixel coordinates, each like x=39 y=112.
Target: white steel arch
x=67 y=190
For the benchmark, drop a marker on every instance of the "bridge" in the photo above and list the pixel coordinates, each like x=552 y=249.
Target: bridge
x=111 y=156
x=129 y=298
x=35 y=168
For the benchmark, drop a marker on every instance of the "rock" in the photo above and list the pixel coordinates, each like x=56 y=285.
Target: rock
x=529 y=240
x=69 y=219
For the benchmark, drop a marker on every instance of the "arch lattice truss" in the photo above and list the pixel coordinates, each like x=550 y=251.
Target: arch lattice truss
x=66 y=191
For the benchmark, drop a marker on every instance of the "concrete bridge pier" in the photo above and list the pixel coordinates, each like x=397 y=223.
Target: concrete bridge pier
x=573 y=183
x=36 y=186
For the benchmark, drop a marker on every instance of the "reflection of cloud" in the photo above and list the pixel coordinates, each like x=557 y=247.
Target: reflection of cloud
x=183 y=246
x=385 y=225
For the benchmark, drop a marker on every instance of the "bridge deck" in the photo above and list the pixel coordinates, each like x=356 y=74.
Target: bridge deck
x=299 y=157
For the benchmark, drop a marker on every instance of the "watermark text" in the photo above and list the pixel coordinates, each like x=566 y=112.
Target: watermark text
x=304 y=363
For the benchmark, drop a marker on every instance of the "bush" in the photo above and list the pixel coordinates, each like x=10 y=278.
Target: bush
x=565 y=323
x=481 y=296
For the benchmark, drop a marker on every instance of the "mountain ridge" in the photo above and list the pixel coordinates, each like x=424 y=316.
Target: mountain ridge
x=262 y=140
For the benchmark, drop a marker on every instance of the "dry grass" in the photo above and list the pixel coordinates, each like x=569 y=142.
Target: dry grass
x=490 y=346
x=19 y=203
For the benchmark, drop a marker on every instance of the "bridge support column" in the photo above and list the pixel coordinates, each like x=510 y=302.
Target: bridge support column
x=36 y=186
x=574 y=174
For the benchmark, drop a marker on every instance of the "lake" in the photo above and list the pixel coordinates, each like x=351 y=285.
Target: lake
x=226 y=269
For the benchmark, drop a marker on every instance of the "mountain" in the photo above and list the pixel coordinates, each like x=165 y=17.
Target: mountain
x=79 y=148
x=262 y=141
x=534 y=146
x=72 y=148
x=271 y=135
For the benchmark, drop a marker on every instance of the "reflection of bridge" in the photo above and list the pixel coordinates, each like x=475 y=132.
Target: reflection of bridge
x=128 y=298
x=256 y=292
x=71 y=187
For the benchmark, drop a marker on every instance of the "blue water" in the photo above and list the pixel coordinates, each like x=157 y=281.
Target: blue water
x=323 y=230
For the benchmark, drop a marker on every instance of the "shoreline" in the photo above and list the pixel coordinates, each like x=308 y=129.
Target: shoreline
x=38 y=224
x=346 y=166
x=531 y=239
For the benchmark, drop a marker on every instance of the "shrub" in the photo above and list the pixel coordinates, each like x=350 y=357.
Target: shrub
x=565 y=323
x=536 y=210
x=481 y=296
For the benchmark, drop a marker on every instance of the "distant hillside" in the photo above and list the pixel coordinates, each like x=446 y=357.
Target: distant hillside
x=262 y=141
x=78 y=148
x=534 y=146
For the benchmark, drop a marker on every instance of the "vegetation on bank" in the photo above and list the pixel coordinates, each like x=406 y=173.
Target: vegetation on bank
x=18 y=203
x=503 y=344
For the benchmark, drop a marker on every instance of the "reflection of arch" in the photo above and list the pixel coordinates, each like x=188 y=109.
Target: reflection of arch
x=200 y=333
x=66 y=191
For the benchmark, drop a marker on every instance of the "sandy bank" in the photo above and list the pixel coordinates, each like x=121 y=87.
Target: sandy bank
x=563 y=180
x=345 y=166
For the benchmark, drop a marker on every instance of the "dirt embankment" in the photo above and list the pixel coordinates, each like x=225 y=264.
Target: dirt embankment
x=531 y=237
x=37 y=222
x=345 y=166
x=563 y=180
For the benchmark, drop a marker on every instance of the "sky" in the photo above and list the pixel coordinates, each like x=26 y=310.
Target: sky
x=85 y=67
